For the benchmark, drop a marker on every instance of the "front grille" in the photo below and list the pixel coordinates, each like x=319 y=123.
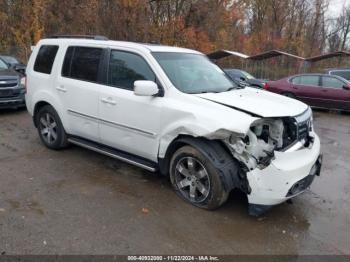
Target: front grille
x=304 y=129
x=8 y=83
x=290 y=132
x=6 y=93
x=304 y=124
x=297 y=128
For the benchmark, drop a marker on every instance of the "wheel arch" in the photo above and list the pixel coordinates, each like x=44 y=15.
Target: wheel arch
x=228 y=167
x=37 y=107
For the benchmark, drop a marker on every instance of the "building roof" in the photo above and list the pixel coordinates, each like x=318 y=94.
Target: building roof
x=326 y=56
x=261 y=56
x=273 y=53
x=224 y=53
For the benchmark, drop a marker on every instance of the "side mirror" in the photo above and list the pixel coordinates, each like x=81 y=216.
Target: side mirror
x=242 y=78
x=346 y=87
x=145 y=88
x=19 y=68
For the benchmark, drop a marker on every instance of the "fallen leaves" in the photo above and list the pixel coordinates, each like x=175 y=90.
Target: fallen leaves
x=145 y=210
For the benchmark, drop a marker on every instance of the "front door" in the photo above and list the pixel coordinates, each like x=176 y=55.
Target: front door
x=306 y=88
x=333 y=93
x=128 y=122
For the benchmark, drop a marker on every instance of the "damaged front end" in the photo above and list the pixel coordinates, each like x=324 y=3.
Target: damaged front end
x=267 y=140
x=257 y=148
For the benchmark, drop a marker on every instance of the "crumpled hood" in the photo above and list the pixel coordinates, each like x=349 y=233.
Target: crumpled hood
x=258 y=102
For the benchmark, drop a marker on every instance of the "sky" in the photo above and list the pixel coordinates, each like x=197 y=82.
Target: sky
x=335 y=7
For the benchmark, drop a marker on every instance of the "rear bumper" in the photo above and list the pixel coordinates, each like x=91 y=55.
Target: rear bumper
x=289 y=174
x=11 y=102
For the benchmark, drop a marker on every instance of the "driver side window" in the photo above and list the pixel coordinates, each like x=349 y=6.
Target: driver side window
x=125 y=68
x=332 y=82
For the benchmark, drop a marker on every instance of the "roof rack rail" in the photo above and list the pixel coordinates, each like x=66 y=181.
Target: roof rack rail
x=94 y=37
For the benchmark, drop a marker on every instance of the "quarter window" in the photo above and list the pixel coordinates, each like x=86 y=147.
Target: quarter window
x=126 y=68
x=296 y=80
x=45 y=59
x=82 y=63
x=332 y=82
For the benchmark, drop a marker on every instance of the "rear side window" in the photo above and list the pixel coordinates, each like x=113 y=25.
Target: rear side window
x=126 y=68
x=344 y=74
x=309 y=80
x=45 y=58
x=82 y=63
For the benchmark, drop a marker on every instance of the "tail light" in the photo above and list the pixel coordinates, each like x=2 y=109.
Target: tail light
x=266 y=86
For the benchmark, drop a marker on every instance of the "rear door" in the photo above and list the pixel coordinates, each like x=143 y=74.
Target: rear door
x=333 y=93
x=78 y=87
x=307 y=89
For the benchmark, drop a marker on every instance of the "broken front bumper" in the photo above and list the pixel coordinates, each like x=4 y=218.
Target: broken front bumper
x=288 y=175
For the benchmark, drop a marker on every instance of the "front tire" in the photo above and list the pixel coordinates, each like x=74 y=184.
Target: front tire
x=50 y=128
x=196 y=180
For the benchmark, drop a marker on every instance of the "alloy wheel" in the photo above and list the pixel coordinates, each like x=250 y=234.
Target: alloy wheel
x=48 y=128
x=192 y=179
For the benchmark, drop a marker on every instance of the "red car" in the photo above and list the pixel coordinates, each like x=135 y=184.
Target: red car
x=318 y=90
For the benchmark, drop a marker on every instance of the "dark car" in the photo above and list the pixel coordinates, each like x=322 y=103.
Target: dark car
x=240 y=75
x=318 y=90
x=342 y=72
x=12 y=87
x=14 y=63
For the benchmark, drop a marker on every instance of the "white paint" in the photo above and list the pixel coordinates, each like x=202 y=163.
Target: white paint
x=146 y=125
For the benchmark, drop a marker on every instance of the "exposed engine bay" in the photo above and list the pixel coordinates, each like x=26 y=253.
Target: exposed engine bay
x=267 y=135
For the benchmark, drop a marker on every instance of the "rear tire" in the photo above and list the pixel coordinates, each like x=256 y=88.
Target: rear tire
x=196 y=180
x=50 y=128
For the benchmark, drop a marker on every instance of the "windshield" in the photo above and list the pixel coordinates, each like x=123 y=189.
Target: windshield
x=3 y=65
x=247 y=75
x=10 y=59
x=343 y=74
x=193 y=73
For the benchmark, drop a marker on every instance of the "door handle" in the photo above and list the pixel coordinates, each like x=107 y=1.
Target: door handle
x=108 y=100
x=61 y=88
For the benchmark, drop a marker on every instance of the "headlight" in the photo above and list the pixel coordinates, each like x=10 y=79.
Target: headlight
x=311 y=124
x=269 y=130
x=23 y=81
x=256 y=149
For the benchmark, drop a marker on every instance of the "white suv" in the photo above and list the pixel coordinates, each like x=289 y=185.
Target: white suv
x=172 y=110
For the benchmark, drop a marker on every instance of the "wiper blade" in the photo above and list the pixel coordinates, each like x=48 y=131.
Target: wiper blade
x=234 y=87
x=203 y=92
